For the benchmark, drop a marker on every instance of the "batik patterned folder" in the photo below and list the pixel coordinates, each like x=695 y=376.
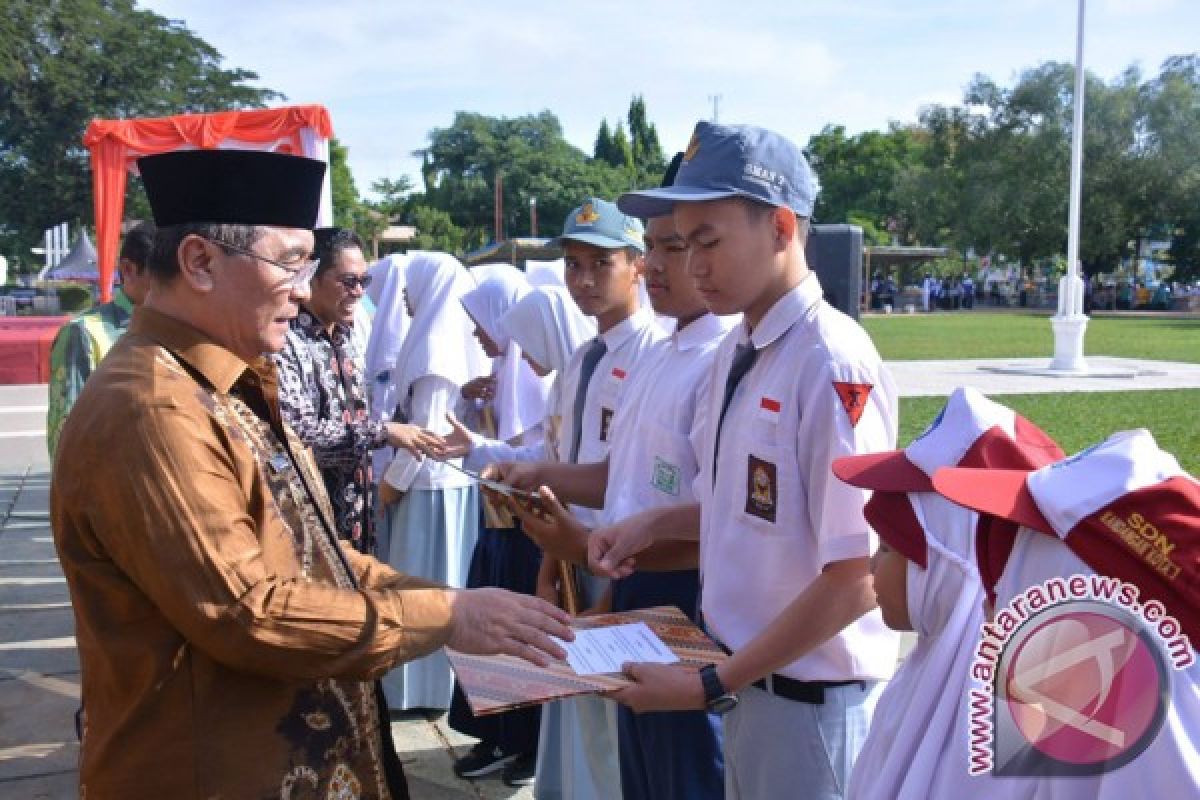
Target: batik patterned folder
x=499 y=683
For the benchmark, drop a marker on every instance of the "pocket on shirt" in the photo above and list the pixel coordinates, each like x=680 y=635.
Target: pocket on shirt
x=767 y=480
x=666 y=476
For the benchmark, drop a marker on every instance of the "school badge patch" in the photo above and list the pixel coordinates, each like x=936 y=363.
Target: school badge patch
x=606 y=415
x=587 y=215
x=761 y=488
x=666 y=477
x=854 y=398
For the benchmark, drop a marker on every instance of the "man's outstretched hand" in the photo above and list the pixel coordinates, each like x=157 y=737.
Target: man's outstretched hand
x=492 y=621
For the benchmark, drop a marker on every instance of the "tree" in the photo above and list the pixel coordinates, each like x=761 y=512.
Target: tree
x=461 y=162
x=603 y=148
x=65 y=62
x=622 y=151
x=345 y=194
x=647 y=152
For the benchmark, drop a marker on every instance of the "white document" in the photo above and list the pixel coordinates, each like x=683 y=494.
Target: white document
x=596 y=651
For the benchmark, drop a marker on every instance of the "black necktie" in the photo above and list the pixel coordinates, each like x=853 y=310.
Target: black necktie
x=743 y=360
x=590 y=359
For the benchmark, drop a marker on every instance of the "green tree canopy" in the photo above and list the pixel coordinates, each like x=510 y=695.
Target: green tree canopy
x=65 y=62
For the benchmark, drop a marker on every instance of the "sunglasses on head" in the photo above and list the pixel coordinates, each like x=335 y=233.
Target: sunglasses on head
x=348 y=282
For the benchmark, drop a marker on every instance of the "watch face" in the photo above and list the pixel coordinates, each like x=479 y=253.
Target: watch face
x=722 y=704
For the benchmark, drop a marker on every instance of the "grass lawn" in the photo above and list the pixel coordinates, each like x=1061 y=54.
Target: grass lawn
x=1012 y=335
x=1079 y=419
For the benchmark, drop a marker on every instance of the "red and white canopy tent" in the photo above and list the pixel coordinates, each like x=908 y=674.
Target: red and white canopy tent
x=116 y=144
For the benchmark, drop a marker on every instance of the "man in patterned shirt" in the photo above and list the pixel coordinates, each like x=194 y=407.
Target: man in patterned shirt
x=321 y=390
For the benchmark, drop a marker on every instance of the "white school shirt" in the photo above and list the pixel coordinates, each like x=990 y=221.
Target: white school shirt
x=777 y=514
x=652 y=462
x=628 y=342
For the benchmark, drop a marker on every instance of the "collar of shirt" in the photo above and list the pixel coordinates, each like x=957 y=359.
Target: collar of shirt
x=308 y=322
x=700 y=331
x=218 y=366
x=786 y=312
x=616 y=336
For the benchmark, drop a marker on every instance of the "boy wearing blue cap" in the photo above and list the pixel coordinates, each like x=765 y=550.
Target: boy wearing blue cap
x=784 y=546
x=602 y=253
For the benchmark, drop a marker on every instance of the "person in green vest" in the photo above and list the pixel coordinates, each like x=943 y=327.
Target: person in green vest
x=80 y=345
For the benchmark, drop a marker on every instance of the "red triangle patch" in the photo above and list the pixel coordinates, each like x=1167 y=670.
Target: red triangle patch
x=854 y=398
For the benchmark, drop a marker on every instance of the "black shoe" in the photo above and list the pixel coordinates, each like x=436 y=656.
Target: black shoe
x=520 y=772
x=484 y=759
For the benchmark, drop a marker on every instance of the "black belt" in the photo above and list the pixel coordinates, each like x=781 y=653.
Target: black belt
x=811 y=692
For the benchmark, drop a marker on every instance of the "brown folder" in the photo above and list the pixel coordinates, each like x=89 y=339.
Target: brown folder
x=498 y=683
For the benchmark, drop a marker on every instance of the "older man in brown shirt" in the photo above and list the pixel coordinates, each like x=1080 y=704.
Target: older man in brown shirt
x=229 y=644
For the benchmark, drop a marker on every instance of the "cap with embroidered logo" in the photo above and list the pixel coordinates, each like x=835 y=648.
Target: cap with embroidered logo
x=600 y=223
x=1124 y=507
x=969 y=431
x=733 y=161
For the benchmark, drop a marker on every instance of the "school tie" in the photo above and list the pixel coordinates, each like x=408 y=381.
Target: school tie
x=743 y=360
x=590 y=359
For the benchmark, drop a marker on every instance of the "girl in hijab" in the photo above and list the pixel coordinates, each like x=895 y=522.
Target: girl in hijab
x=432 y=513
x=514 y=411
x=1133 y=724
x=926 y=579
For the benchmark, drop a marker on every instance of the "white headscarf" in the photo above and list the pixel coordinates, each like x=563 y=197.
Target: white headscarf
x=520 y=394
x=914 y=730
x=548 y=325
x=391 y=319
x=545 y=273
x=439 y=340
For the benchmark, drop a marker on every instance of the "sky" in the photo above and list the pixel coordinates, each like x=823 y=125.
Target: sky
x=389 y=72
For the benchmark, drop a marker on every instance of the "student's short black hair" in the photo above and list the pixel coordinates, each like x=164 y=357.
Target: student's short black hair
x=759 y=211
x=138 y=245
x=164 y=258
x=329 y=245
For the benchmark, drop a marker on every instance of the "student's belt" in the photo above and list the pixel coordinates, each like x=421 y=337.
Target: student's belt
x=811 y=692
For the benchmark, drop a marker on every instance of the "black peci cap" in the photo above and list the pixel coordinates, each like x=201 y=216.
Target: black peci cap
x=234 y=187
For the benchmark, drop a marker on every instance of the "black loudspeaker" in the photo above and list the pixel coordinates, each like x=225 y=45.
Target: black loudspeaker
x=835 y=253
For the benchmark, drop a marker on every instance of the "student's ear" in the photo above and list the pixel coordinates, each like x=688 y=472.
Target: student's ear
x=785 y=222
x=197 y=258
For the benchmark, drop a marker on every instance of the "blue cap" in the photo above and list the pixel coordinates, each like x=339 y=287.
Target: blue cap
x=733 y=161
x=600 y=223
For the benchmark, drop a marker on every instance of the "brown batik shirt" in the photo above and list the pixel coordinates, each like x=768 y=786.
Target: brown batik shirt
x=228 y=642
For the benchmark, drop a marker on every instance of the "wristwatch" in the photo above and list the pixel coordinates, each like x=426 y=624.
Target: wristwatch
x=716 y=699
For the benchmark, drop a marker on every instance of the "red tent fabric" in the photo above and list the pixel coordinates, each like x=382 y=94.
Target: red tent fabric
x=116 y=143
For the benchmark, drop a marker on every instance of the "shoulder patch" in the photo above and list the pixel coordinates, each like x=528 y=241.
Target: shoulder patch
x=854 y=398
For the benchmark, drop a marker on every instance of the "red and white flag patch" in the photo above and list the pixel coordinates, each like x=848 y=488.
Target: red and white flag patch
x=854 y=398
x=769 y=408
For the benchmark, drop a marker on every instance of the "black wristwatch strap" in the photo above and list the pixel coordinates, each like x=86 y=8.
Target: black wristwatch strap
x=713 y=689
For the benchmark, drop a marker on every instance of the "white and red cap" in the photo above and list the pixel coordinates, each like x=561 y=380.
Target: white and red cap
x=969 y=431
x=1124 y=507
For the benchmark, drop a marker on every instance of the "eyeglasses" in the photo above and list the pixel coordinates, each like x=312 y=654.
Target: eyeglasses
x=348 y=282
x=299 y=272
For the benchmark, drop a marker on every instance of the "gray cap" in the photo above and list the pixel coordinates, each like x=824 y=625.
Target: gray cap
x=599 y=222
x=733 y=161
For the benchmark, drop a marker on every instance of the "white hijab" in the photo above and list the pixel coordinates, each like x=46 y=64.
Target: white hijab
x=520 y=394
x=391 y=319
x=545 y=273
x=548 y=326
x=439 y=339
x=914 y=731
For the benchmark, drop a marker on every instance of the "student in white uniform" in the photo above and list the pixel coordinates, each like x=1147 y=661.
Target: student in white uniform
x=926 y=578
x=784 y=546
x=433 y=514
x=1093 y=515
x=651 y=463
x=577 y=752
